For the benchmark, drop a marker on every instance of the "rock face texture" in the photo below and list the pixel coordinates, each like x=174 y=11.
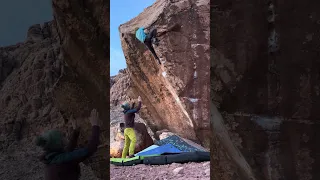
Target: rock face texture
x=120 y=89
x=62 y=69
x=265 y=71
x=176 y=96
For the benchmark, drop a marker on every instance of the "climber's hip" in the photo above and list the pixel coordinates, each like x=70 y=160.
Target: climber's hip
x=152 y=34
x=129 y=132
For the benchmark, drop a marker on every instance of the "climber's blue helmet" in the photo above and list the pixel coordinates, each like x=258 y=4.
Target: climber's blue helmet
x=125 y=106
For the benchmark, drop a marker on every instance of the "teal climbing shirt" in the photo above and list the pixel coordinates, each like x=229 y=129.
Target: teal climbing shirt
x=140 y=35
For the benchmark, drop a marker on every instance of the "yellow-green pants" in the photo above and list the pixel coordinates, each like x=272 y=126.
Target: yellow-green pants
x=129 y=142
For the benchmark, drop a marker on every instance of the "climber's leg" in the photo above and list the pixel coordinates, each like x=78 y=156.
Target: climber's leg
x=149 y=45
x=152 y=36
x=152 y=33
x=175 y=27
x=126 y=144
x=133 y=140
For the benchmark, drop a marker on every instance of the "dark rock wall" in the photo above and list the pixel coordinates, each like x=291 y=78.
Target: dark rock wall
x=265 y=82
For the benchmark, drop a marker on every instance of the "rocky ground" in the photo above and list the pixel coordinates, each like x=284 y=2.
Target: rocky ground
x=190 y=171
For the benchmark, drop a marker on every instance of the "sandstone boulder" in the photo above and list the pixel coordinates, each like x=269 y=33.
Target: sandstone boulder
x=178 y=98
x=265 y=90
x=62 y=69
x=83 y=34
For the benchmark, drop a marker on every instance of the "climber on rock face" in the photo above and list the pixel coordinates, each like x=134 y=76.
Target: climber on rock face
x=151 y=37
x=62 y=162
x=148 y=39
x=129 y=133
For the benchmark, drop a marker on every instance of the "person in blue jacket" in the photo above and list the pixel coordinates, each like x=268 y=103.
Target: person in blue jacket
x=148 y=39
x=62 y=159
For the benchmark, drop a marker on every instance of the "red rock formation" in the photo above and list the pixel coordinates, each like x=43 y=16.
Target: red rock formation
x=62 y=69
x=120 y=88
x=83 y=29
x=177 y=99
x=265 y=71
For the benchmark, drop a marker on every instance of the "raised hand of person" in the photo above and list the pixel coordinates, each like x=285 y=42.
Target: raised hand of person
x=94 y=118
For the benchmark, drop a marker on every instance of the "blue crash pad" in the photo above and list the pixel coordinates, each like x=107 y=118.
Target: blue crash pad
x=178 y=143
x=147 y=149
x=166 y=148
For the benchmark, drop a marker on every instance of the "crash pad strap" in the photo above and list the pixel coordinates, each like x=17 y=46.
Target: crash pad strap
x=129 y=161
x=119 y=160
x=178 y=158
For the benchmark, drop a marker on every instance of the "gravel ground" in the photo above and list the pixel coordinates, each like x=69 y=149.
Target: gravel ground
x=190 y=171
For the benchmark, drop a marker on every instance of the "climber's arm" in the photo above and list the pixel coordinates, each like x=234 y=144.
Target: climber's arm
x=135 y=110
x=73 y=140
x=139 y=106
x=82 y=154
x=175 y=27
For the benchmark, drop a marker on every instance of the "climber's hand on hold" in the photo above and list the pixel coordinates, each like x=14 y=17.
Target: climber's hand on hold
x=94 y=118
x=175 y=27
x=147 y=29
x=139 y=99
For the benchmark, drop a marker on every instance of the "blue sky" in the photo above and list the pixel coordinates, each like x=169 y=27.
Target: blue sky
x=17 y=16
x=15 y=23
x=122 y=11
